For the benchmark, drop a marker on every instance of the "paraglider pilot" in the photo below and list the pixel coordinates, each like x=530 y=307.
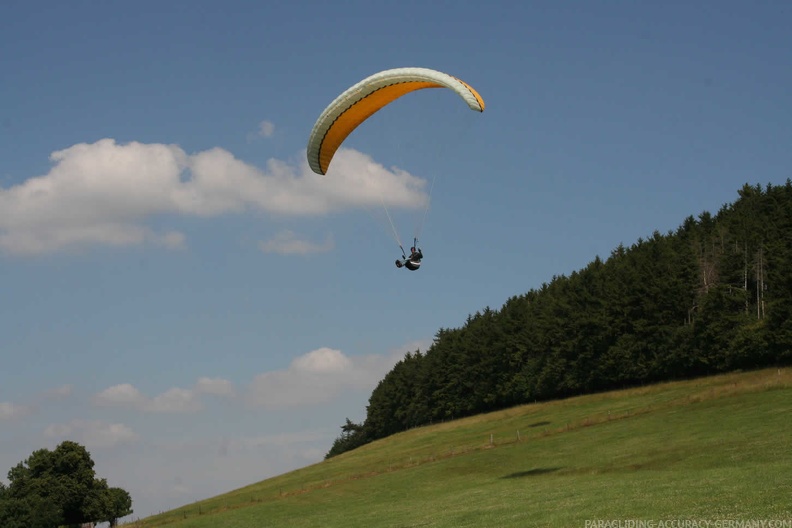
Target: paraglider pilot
x=413 y=262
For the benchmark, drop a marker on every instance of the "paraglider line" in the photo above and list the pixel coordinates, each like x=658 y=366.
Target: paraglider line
x=393 y=227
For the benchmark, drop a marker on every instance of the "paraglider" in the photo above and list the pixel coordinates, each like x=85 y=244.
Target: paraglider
x=359 y=102
x=362 y=100
x=413 y=262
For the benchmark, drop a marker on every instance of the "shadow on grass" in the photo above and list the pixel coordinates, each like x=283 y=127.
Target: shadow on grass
x=539 y=424
x=535 y=472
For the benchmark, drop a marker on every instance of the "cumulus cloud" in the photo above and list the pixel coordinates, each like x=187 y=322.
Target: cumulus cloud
x=9 y=410
x=173 y=400
x=215 y=386
x=313 y=378
x=106 y=193
x=317 y=377
x=160 y=469
x=92 y=433
x=288 y=243
x=121 y=395
x=266 y=129
x=323 y=360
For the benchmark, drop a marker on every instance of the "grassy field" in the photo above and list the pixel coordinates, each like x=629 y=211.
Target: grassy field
x=711 y=449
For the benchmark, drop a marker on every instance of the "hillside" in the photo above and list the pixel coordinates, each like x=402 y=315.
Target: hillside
x=709 y=449
x=713 y=296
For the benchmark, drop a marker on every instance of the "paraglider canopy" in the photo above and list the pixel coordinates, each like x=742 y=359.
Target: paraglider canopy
x=365 y=98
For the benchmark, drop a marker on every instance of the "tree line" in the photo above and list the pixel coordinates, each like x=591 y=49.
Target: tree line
x=59 y=488
x=713 y=296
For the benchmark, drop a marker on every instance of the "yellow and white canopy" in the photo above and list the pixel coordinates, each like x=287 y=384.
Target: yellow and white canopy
x=362 y=100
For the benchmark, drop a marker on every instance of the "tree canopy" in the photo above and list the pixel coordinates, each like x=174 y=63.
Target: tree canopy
x=59 y=488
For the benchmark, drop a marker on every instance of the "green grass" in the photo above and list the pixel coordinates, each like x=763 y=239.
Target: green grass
x=711 y=448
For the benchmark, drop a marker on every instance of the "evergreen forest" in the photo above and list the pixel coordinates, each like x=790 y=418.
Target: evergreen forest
x=713 y=296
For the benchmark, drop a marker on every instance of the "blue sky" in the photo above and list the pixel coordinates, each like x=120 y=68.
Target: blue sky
x=168 y=298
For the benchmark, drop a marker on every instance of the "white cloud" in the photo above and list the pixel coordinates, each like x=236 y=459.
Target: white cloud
x=173 y=400
x=266 y=129
x=313 y=378
x=9 y=410
x=253 y=437
x=92 y=433
x=103 y=193
x=317 y=377
x=58 y=431
x=215 y=386
x=288 y=243
x=322 y=360
x=121 y=395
